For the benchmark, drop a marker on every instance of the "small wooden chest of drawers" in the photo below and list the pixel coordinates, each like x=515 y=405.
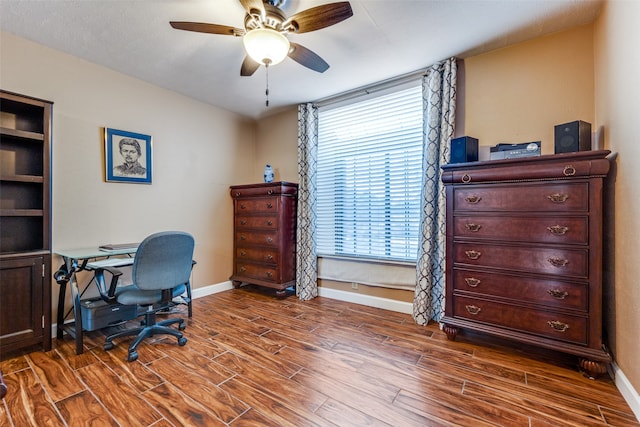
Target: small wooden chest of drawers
x=265 y=234
x=524 y=251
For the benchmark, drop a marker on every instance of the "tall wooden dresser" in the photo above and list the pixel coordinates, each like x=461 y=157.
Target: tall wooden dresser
x=264 y=243
x=524 y=251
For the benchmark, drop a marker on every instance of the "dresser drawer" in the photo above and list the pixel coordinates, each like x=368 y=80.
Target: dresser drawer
x=562 y=197
x=256 y=271
x=264 y=255
x=549 y=293
x=551 y=229
x=262 y=238
x=269 y=189
x=266 y=222
x=257 y=205
x=545 y=260
x=557 y=326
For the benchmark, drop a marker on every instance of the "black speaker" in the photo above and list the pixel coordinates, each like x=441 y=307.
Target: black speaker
x=464 y=149
x=572 y=137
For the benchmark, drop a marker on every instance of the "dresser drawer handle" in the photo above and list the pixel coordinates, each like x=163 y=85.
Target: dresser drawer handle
x=557 y=325
x=269 y=257
x=473 y=254
x=569 y=170
x=269 y=239
x=269 y=205
x=558 y=262
x=242 y=269
x=474 y=228
x=269 y=222
x=270 y=192
x=242 y=206
x=472 y=281
x=243 y=253
x=269 y=274
x=558 y=198
x=237 y=194
x=558 y=230
x=473 y=199
x=473 y=309
x=243 y=237
x=558 y=293
x=243 y=222
x=466 y=178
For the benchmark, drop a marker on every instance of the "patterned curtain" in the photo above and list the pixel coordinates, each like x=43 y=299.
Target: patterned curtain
x=439 y=95
x=306 y=260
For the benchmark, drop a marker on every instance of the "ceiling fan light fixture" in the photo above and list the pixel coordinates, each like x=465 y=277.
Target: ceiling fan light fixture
x=266 y=46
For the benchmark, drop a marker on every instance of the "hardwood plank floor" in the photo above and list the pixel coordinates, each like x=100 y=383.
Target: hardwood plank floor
x=255 y=360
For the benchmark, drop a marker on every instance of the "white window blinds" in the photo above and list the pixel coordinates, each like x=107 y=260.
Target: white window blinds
x=369 y=177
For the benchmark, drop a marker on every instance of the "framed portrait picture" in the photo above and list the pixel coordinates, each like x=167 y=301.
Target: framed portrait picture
x=127 y=156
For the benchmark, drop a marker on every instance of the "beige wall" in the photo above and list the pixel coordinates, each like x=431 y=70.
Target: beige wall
x=278 y=144
x=617 y=104
x=198 y=152
x=519 y=93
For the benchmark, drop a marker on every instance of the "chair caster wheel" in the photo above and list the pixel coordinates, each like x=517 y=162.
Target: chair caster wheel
x=182 y=327
x=133 y=356
x=182 y=341
x=108 y=346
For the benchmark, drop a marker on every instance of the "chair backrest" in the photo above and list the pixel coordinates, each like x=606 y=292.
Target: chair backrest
x=163 y=260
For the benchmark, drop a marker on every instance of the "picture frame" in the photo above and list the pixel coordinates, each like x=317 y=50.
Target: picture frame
x=128 y=156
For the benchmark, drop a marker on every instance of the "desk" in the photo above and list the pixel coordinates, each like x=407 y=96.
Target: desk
x=76 y=260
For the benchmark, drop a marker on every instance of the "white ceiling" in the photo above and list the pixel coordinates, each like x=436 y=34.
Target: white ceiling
x=383 y=39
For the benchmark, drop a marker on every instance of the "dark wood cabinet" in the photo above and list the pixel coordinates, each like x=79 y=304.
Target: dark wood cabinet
x=265 y=234
x=25 y=225
x=524 y=251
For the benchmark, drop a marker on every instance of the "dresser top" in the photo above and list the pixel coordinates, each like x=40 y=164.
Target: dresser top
x=554 y=166
x=266 y=184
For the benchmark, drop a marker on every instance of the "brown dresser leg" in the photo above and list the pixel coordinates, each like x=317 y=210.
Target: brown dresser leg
x=451 y=332
x=591 y=368
x=236 y=284
x=3 y=387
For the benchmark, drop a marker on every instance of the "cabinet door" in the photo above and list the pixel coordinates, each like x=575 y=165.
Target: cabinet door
x=21 y=303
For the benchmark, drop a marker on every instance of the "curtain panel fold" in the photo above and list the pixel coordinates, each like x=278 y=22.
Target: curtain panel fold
x=306 y=257
x=439 y=96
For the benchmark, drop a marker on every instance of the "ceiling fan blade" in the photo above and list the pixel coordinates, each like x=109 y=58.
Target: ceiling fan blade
x=200 y=27
x=309 y=59
x=250 y=5
x=319 y=17
x=249 y=66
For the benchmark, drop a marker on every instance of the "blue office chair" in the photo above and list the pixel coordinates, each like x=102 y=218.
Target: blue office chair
x=161 y=270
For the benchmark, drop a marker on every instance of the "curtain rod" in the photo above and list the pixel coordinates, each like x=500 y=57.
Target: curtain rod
x=366 y=90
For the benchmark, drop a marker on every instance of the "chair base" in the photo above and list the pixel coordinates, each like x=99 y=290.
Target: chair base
x=150 y=328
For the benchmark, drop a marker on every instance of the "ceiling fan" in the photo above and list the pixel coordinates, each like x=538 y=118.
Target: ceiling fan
x=266 y=28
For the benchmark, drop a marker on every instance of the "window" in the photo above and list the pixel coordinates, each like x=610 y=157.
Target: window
x=369 y=177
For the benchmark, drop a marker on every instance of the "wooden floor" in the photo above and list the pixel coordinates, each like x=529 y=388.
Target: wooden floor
x=255 y=360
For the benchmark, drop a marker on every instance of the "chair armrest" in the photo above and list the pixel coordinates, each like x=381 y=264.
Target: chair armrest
x=108 y=295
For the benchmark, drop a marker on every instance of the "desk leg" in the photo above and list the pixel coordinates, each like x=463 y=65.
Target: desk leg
x=71 y=266
x=61 y=298
x=77 y=314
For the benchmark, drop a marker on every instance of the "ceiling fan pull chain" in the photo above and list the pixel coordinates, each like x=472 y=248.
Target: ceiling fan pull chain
x=266 y=65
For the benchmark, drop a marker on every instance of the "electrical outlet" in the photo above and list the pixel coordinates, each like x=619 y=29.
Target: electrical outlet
x=354 y=285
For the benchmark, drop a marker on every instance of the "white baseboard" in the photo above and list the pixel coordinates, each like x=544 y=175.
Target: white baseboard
x=211 y=289
x=371 y=301
x=626 y=389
